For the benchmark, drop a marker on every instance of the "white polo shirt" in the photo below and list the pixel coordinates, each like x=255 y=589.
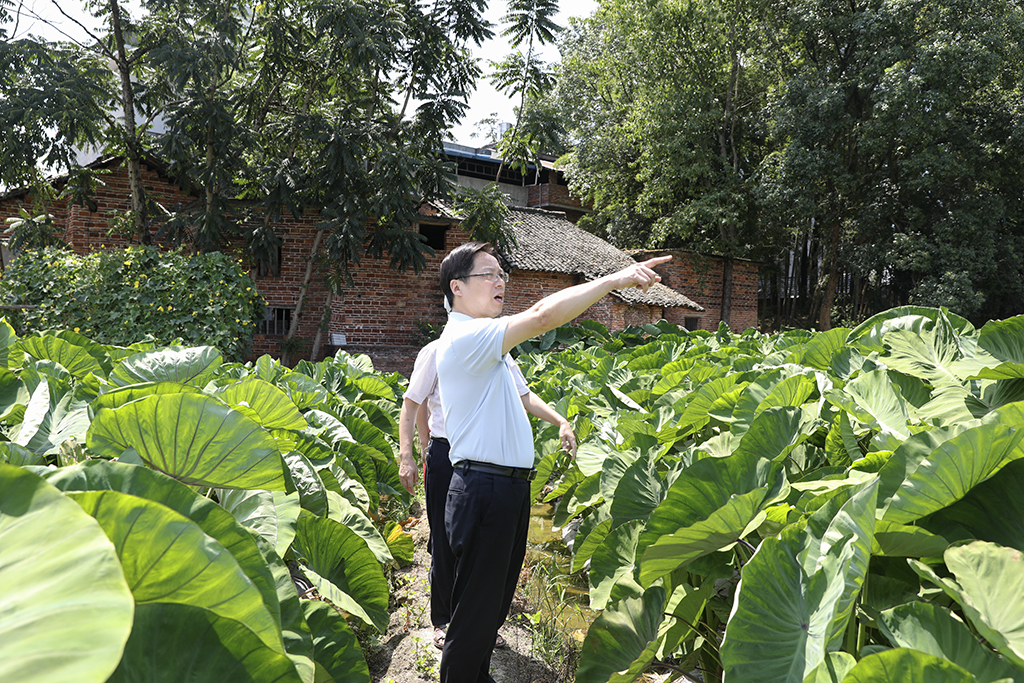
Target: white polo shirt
x=423 y=386
x=483 y=415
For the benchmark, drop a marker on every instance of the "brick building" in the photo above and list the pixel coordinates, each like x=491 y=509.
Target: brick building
x=384 y=312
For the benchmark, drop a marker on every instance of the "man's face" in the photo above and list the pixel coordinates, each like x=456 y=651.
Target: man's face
x=483 y=294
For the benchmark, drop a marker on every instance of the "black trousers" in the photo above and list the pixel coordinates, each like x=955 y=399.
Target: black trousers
x=487 y=520
x=442 y=561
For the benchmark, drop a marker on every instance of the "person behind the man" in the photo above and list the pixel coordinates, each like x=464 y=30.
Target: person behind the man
x=421 y=411
x=487 y=512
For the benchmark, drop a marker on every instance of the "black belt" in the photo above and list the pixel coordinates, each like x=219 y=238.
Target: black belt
x=439 y=439
x=526 y=473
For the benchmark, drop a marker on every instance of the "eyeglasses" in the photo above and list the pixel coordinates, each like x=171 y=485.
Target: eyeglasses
x=489 y=276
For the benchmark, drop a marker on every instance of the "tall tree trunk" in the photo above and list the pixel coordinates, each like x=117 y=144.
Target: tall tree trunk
x=303 y=293
x=315 y=353
x=133 y=153
x=831 y=276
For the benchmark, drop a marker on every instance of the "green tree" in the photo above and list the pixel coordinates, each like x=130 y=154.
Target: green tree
x=663 y=102
x=283 y=104
x=897 y=147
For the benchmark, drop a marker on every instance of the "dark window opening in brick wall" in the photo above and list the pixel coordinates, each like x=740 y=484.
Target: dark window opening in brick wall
x=263 y=268
x=435 y=235
x=691 y=323
x=276 y=321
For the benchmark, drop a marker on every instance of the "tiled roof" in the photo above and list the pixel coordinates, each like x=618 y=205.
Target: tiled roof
x=548 y=242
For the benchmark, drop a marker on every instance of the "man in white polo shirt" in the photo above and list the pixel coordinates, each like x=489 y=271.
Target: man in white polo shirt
x=421 y=410
x=488 y=507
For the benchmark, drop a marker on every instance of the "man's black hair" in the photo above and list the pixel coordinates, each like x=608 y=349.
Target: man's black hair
x=459 y=263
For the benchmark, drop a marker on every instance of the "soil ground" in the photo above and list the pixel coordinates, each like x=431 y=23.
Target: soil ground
x=406 y=652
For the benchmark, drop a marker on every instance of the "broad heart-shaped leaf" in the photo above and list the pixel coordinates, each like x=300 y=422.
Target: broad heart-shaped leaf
x=870 y=332
x=133 y=392
x=929 y=354
x=186 y=365
x=623 y=640
x=194 y=438
x=992 y=511
x=215 y=522
x=935 y=631
x=71 y=357
x=777 y=431
x=704 y=487
x=638 y=492
x=44 y=432
x=950 y=471
x=271 y=514
x=167 y=557
x=819 y=351
x=13 y=394
x=270 y=406
x=341 y=510
x=695 y=414
x=67 y=610
x=875 y=400
x=833 y=668
x=343 y=568
x=611 y=567
x=312 y=492
x=335 y=643
x=796 y=594
x=900 y=540
x=174 y=642
x=906 y=666
x=991 y=582
x=723 y=527
x=8 y=338
x=1004 y=341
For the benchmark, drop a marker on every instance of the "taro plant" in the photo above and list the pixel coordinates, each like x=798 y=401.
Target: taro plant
x=797 y=506
x=160 y=511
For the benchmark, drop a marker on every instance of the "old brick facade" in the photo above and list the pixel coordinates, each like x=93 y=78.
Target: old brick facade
x=381 y=314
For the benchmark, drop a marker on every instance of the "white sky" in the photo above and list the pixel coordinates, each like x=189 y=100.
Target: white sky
x=484 y=102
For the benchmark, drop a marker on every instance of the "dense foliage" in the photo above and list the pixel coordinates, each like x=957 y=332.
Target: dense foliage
x=871 y=150
x=110 y=295
x=797 y=506
x=159 y=509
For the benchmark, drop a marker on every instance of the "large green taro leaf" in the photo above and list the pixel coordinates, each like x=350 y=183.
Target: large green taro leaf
x=133 y=392
x=167 y=557
x=8 y=339
x=935 y=631
x=876 y=401
x=703 y=488
x=337 y=649
x=266 y=404
x=342 y=567
x=638 y=492
x=695 y=415
x=928 y=354
x=194 y=438
x=50 y=421
x=723 y=527
x=990 y=588
x=71 y=357
x=341 y=510
x=271 y=514
x=294 y=630
x=992 y=511
x=1004 y=341
x=914 y=318
x=612 y=564
x=623 y=640
x=66 y=608
x=796 y=594
x=311 y=488
x=215 y=522
x=185 y=365
x=906 y=666
x=174 y=642
x=947 y=473
x=819 y=351
x=776 y=432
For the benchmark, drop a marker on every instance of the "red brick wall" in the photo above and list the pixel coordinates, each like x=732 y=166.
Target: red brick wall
x=378 y=314
x=700 y=278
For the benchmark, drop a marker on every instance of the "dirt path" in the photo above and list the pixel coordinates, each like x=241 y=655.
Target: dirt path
x=406 y=653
